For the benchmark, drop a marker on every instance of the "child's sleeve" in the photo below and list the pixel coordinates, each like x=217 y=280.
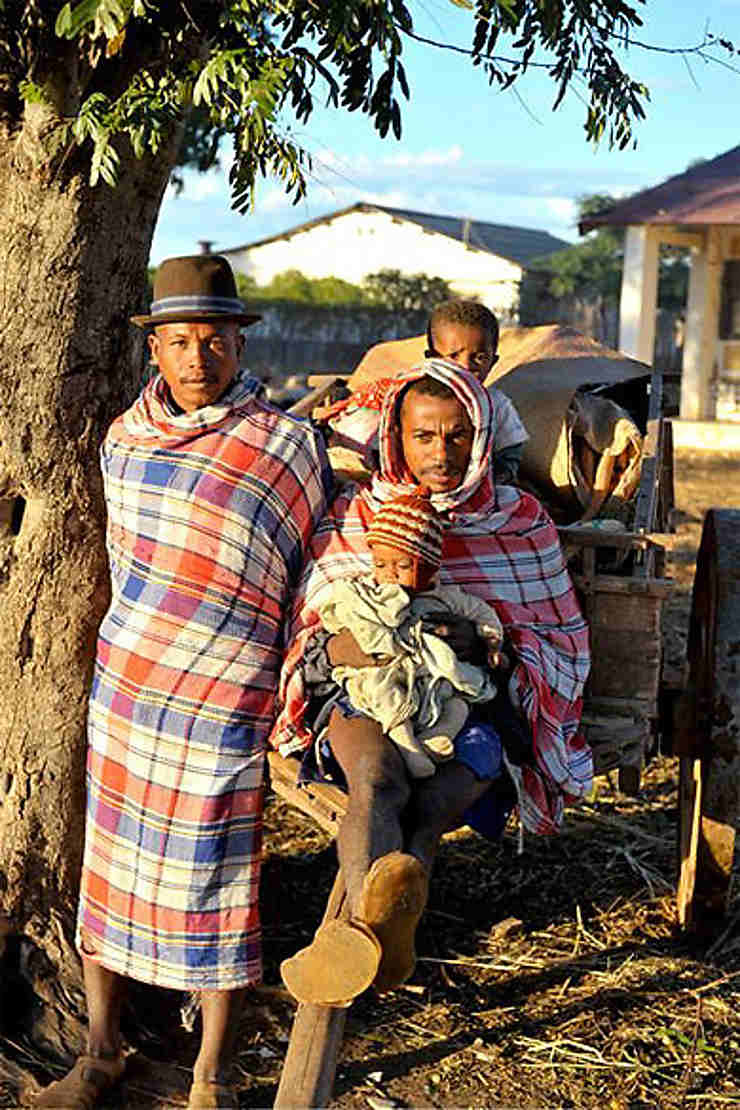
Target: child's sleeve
x=506 y=463
x=484 y=617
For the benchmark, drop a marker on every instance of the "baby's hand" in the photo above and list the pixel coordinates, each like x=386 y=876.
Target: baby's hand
x=459 y=633
x=342 y=648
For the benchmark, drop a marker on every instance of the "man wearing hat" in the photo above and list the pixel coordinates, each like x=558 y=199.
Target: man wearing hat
x=212 y=495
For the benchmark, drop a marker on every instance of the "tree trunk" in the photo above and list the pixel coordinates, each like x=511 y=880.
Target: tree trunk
x=73 y=264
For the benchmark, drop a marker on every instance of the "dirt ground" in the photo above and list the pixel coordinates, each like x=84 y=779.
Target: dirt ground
x=549 y=978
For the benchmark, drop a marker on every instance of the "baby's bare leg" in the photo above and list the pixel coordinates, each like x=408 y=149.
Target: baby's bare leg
x=438 y=740
x=418 y=763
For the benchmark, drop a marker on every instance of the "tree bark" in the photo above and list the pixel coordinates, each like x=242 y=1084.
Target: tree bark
x=72 y=270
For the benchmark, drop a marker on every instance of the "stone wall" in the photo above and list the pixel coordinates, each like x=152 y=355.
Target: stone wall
x=599 y=318
x=297 y=339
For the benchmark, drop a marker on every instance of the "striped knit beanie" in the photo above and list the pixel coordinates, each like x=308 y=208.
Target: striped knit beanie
x=411 y=524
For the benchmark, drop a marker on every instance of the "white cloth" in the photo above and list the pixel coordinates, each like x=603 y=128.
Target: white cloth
x=420 y=673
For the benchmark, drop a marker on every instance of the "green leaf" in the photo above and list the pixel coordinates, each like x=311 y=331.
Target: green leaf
x=71 y=21
x=32 y=93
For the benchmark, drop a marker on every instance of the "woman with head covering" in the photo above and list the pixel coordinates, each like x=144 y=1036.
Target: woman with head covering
x=499 y=544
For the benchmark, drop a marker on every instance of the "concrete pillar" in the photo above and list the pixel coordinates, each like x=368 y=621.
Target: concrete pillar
x=702 y=326
x=639 y=293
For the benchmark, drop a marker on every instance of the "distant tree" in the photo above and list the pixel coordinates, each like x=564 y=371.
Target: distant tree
x=246 y=287
x=592 y=269
x=337 y=291
x=289 y=285
x=293 y=285
x=394 y=290
x=673 y=278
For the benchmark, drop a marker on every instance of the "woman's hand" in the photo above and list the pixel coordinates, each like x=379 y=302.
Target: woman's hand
x=342 y=648
x=460 y=634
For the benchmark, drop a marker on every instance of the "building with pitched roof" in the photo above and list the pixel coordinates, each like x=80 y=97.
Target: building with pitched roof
x=698 y=209
x=477 y=259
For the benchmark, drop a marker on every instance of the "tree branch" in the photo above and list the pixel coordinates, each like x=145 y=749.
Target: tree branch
x=699 y=49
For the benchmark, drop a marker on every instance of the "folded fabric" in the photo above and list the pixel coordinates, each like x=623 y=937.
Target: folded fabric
x=418 y=674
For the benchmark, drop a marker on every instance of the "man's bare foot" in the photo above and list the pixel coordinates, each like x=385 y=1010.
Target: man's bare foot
x=212 y=1095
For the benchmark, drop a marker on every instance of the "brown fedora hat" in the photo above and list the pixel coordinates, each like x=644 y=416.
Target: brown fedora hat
x=195 y=287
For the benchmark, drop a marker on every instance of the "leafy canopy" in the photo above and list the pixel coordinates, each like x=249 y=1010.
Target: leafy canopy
x=293 y=285
x=133 y=70
x=593 y=268
x=389 y=289
x=395 y=290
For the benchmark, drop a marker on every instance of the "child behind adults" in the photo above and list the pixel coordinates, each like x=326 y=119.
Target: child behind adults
x=462 y=332
x=467 y=333
x=416 y=688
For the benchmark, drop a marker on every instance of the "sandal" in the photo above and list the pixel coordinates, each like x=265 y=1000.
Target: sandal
x=207 y=1094
x=394 y=895
x=82 y=1087
x=339 y=964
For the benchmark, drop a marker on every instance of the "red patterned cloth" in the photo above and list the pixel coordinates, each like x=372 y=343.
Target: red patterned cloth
x=370 y=397
x=501 y=545
x=355 y=419
x=209 y=515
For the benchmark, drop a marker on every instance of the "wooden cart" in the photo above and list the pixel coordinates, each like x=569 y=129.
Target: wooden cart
x=630 y=708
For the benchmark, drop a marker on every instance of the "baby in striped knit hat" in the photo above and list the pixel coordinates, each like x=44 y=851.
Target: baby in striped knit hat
x=417 y=689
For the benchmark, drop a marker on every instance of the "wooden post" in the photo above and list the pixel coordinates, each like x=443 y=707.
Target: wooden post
x=709 y=789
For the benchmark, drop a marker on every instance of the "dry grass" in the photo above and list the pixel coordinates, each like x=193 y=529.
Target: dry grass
x=558 y=977
x=555 y=978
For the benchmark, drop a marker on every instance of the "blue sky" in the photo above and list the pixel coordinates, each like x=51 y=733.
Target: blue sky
x=471 y=151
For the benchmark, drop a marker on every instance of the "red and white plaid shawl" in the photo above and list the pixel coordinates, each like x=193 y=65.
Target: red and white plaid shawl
x=499 y=544
x=355 y=419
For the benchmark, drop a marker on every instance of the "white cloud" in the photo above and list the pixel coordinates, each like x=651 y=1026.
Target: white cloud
x=563 y=210
x=199 y=187
x=449 y=157
x=444 y=181
x=361 y=163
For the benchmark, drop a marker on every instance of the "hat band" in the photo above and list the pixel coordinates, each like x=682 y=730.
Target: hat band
x=197 y=302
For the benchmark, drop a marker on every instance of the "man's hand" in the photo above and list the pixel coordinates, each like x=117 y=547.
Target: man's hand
x=500 y=661
x=459 y=633
x=343 y=648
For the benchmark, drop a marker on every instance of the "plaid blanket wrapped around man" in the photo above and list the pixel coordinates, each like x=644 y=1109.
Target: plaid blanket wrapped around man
x=209 y=514
x=499 y=544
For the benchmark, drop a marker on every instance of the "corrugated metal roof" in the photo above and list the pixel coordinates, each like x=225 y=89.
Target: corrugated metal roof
x=708 y=193
x=518 y=244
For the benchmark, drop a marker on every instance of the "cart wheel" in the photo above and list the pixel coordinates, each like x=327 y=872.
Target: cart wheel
x=709 y=785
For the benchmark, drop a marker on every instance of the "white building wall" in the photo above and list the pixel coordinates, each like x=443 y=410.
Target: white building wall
x=639 y=294
x=361 y=243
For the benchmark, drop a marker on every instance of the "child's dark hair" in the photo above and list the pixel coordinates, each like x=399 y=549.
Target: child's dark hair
x=471 y=313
